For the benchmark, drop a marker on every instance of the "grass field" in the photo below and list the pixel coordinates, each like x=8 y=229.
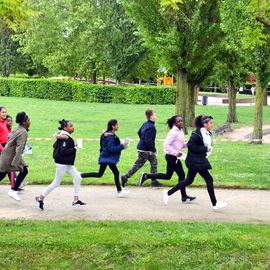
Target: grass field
x=234 y=164
x=133 y=245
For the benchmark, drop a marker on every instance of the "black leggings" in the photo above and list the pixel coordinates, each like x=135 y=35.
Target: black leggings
x=19 y=178
x=173 y=165
x=102 y=169
x=189 y=180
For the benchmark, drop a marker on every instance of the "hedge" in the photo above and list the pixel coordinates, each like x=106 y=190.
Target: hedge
x=78 y=91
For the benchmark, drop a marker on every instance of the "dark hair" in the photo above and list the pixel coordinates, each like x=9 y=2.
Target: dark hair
x=2 y=107
x=149 y=113
x=21 y=117
x=200 y=120
x=63 y=123
x=171 y=121
x=110 y=125
x=9 y=116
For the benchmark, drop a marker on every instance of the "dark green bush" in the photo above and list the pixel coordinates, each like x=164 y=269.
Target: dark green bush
x=78 y=91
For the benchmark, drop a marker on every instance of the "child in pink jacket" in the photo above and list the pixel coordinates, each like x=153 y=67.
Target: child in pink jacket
x=172 y=146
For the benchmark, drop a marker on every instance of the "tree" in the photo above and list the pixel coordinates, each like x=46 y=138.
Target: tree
x=258 y=40
x=82 y=37
x=186 y=35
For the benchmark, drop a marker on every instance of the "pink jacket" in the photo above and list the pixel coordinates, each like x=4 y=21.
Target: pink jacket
x=3 y=133
x=174 y=142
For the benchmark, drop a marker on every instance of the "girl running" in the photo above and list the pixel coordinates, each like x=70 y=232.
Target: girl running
x=197 y=162
x=12 y=175
x=110 y=151
x=11 y=156
x=172 y=146
x=64 y=155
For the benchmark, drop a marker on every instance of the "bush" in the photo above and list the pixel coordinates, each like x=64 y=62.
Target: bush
x=77 y=91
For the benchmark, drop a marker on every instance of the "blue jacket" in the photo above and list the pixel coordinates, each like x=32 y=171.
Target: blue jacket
x=147 y=134
x=110 y=149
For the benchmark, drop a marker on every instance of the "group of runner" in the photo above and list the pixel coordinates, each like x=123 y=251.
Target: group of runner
x=12 y=145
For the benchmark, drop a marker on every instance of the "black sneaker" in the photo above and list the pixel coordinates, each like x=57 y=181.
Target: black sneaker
x=188 y=199
x=155 y=183
x=39 y=203
x=142 y=179
x=20 y=189
x=78 y=203
x=123 y=180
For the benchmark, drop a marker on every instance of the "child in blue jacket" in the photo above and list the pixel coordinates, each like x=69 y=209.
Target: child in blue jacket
x=110 y=151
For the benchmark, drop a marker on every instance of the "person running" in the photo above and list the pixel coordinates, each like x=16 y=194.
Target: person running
x=64 y=155
x=12 y=175
x=11 y=156
x=146 y=149
x=172 y=146
x=197 y=162
x=110 y=151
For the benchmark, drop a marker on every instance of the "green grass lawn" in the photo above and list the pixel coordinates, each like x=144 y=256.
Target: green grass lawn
x=133 y=245
x=234 y=164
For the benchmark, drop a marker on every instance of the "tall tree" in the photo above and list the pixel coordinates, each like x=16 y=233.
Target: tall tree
x=186 y=34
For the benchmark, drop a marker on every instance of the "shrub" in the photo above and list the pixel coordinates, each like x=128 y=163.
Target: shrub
x=78 y=91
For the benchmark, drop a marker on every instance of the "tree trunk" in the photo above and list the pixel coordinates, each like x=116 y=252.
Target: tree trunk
x=258 y=116
x=196 y=94
x=94 y=73
x=265 y=98
x=190 y=104
x=181 y=94
x=232 y=91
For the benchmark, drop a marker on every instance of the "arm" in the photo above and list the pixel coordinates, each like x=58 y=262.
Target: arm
x=1 y=148
x=196 y=148
x=114 y=149
x=20 y=143
x=150 y=136
x=65 y=150
x=168 y=144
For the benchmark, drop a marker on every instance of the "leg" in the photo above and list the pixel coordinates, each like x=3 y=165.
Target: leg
x=76 y=181
x=2 y=175
x=11 y=177
x=210 y=187
x=59 y=174
x=99 y=174
x=170 y=169
x=20 y=178
x=178 y=168
x=182 y=184
x=115 y=171
x=142 y=157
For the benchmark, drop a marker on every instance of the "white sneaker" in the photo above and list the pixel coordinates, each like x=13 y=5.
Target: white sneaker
x=123 y=193
x=219 y=205
x=165 y=197
x=14 y=195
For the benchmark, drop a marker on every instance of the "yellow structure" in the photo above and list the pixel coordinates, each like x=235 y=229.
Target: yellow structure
x=164 y=80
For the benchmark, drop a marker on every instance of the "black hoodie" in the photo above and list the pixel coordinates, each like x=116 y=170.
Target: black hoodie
x=196 y=157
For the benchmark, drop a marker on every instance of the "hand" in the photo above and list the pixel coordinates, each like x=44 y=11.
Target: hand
x=125 y=145
x=209 y=149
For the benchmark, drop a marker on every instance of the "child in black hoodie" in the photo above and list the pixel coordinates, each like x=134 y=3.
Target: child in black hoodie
x=64 y=155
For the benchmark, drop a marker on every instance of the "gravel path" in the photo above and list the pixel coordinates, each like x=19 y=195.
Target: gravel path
x=143 y=203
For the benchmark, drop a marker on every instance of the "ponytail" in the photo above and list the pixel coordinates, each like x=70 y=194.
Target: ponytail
x=200 y=120
x=171 y=121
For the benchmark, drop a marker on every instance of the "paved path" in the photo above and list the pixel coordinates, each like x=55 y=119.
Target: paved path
x=143 y=203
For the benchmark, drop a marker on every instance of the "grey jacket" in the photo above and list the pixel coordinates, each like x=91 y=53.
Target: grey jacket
x=11 y=156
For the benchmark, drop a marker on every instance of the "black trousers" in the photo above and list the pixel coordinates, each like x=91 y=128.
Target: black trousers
x=19 y=178
x=102 y=169
x=11 y=175
x=173 y=165
x=189 y=180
